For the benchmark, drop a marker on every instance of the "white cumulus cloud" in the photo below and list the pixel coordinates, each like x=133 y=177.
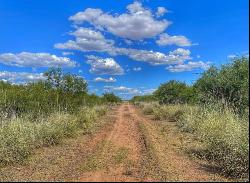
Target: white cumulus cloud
x=136 y=24
x=156 y=58
x=122 y=90
x=27 y=59
x=161 y=11
x=67 y=53
x=148 y=91
x=87 y=33
x=20 y=77
x=166 y=39
x=103 y=66
x=188 y=66
x=106 y=80
x=86 y=40
x=128 y=91
x=231 y=56
x=137 y=69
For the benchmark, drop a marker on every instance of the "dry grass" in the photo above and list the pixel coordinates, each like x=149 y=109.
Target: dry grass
x=62 y=162
x=148 y=108
x=167 y=159
x=224 y=134
x=20 y=136
x=169 y=112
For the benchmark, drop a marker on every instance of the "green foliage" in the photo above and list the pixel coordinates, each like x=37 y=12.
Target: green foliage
x=174 y=92
x=44 y=113
x=111 y=98
x=143 y=98
x=60 y=92
x=68 y=83
x=229 y=84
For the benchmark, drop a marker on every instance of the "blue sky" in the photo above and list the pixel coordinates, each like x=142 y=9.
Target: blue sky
x=127 y=47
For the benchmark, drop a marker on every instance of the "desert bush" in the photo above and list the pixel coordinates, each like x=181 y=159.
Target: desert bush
x=20 y=136
x=111 y=98
x=148 y=108
x=44 y=113
x=174 y=92
x=228 y=84
x=55 y=128
x=143 y=98
x=16 y=137
x=170 y=112
x=217 y=112
x=101 y=109
x=58 y=93
x=86 y=118
x=225 y=135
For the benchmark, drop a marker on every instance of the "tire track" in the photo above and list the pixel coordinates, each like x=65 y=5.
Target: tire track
x=125 y=138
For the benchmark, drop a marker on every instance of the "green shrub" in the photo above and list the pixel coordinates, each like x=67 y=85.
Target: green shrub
x=58 y=93
x=175 y=92
x=229 y=84
x=111 y=98
x=143 y=98
x=224 y=134
x=160 y=113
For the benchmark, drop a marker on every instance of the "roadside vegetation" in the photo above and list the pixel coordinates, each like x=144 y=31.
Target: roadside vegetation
x=215 y=109
x=43 y=113
x=111 y=98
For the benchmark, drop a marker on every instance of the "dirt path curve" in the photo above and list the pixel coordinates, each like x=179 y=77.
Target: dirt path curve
x=120 y=156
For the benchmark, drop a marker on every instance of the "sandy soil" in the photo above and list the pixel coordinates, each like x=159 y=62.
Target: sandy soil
x=125 y=136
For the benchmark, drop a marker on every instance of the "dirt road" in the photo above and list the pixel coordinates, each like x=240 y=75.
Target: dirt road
x=130 y=148
x=120 y=157
x=135 y=151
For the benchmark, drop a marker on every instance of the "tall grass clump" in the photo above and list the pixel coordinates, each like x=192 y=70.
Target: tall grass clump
x=170 y=112
x=148 y=108
x=20 y=136
x=101 y=109
x=16 y=137
x=225 y=135
x=55 y=128
x=86 y=119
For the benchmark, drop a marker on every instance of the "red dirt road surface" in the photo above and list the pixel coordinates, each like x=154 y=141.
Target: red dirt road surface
x=130 y=147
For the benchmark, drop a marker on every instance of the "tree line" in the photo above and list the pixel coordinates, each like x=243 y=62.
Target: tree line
x=228 y=85
x=60 y=91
